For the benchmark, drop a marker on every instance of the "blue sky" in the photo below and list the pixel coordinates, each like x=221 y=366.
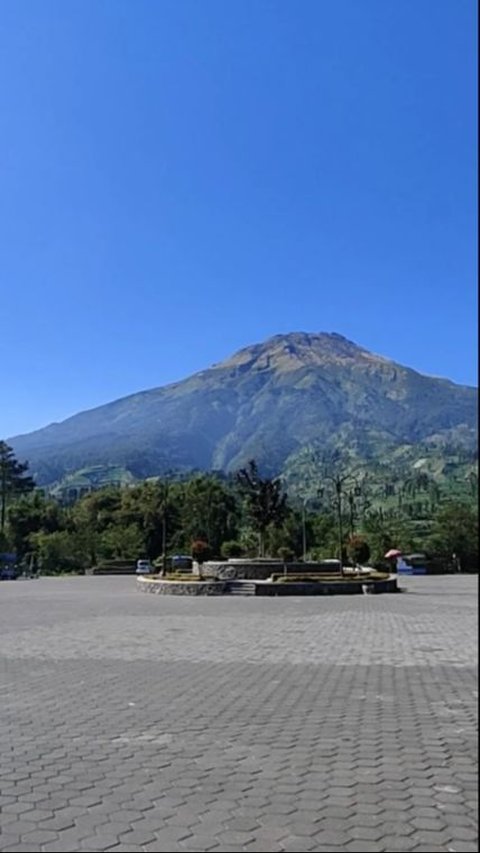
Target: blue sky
x=180 y=179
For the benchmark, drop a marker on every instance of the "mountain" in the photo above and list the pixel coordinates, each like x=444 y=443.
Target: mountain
x=268 y=401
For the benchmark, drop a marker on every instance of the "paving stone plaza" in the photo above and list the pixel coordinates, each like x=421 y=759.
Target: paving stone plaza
x=133 y=722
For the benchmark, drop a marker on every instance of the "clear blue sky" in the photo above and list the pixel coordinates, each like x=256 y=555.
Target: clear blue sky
x=180 y=179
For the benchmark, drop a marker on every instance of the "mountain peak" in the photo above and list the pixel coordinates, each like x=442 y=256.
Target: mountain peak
x=312 y=339
x=290 y=350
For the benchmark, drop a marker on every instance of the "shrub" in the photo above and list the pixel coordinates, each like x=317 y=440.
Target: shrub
x=231 y=549
x=286 y=554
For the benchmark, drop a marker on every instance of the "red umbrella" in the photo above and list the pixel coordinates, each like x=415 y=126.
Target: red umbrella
x=392 y=553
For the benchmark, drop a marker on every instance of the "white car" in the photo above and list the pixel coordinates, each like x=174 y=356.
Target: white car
x=144 y=567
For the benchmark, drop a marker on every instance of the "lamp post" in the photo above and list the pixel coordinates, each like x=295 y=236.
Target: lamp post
x=338 y=483
x=164 y=542
x=304 y=529
x=338 y=490
x=164 y=509
x=316 y=497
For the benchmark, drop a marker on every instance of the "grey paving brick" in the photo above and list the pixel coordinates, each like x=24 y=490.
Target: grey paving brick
x=229 y=848
x=271 y=833
x=397 y=828
x=366 y=833
x=40 y=836
x=7 y=841
x=341 y=812
x=460 y=820
x=433 y=824
x=236 y=837
x=17 y=827
x=334 y=838
x=436 y=838
x=99 y=842
x=16 y=807
x=367 y=820
x=39 y=815
x=202 y=842
x=24 y=848
x=360 y=847
x=329 y=849
x=172 y=836
x=399 y=806
x=398 y=844
x=463 y=833
x=243 y=824
x=368 y=808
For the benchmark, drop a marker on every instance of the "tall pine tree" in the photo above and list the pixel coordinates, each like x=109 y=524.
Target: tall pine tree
x=13 y=479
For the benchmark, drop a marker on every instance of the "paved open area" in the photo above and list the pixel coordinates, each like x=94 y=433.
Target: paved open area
x=133 y=722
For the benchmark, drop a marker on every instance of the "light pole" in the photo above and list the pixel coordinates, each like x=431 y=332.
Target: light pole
x=338 y=483
x=164 y=504
x=304 y=529
x=338 y=489
x=164 y=542
x=316 y=497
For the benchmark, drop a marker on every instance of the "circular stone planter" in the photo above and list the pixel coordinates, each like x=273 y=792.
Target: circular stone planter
x=342 y=586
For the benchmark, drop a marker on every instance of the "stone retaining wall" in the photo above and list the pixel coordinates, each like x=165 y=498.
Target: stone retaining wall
x=327 y=588
x=262 y=569
x=160 y=586
x=166 y=587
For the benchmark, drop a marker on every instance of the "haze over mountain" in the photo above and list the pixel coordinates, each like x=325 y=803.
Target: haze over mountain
x=268 y=401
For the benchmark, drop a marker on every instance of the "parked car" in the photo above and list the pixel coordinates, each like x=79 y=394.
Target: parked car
x=181 y=561
x=144 y=567
x=8 y=567
x=8 y=573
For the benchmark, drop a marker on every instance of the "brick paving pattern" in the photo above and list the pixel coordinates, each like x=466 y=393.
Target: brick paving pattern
x=131 y=722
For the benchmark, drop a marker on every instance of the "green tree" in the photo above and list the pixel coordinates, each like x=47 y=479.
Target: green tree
x=266 y=502
x=92 y=515
x=121 y=542
x=472 y=480
x=154 y=507
x=31 y=514
x=14 y=480
x=324 y=535
x=455 y=531
x=386 y=530
x=291 y=534
x=209 y=511
x=58 y=552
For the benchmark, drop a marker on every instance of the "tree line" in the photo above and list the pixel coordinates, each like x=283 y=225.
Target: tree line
x=209 y=515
